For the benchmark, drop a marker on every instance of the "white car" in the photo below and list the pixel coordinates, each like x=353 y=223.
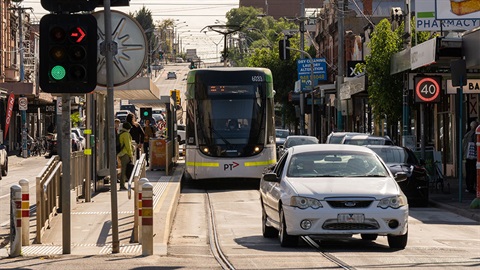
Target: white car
x=331 y=190
x=3 y=161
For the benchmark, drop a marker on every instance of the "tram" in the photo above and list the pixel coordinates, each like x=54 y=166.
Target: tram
x=230 y=127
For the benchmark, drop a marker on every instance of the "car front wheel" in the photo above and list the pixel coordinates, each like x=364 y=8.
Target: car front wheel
x=286 y=240
x=268 y=232
x=397 y=241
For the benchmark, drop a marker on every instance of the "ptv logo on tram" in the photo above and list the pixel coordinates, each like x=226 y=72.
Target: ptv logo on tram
x=230 y=166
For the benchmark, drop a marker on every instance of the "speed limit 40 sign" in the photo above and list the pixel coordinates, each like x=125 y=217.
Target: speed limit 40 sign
x=428 y=89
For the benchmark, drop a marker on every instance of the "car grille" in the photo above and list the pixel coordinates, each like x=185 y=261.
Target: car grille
x=349 y=203
x=332 y=224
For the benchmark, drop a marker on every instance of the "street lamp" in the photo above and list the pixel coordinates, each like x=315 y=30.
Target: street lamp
x=216 y=43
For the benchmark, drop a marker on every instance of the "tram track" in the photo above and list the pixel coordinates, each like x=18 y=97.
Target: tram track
x=310 y=242
x=225 y=263
x=215 y=246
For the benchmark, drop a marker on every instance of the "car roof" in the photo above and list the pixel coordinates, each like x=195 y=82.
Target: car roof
x=383 y=146
x=329 y=147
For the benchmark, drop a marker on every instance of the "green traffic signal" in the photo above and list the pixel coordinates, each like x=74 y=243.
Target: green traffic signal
x=145 y=113
x=58 y=73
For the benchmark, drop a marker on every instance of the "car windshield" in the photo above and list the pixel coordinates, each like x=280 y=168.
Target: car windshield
x=396 y=155
x=292 y=141
x=280 y=133
x=366 y=141
x=334 y=164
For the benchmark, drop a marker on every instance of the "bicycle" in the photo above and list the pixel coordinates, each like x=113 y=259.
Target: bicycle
x=437 y=179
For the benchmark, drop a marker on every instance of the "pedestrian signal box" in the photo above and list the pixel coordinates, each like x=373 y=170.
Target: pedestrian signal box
x=177 y=96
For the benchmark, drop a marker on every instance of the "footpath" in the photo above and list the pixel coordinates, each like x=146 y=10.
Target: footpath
x=91 y=234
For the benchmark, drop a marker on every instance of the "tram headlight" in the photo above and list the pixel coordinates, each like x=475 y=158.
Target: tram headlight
x=257 y=149
x=204 y=149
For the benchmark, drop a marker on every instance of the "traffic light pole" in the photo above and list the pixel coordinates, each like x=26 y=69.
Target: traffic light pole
x=111 y=125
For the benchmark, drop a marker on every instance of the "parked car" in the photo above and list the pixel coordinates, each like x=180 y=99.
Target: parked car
x=293 y=140
x=181 y=133
x=326 y=191
x=3 y=160
x=280 y=136
x=366 y=139
x=53 y=144
x=122 y=115
x=171 y=75
x=336 y=137
x=79 y=134
x=402 y=159
x=76 y=143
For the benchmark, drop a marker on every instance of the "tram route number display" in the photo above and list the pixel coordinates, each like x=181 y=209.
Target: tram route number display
x=428 y=89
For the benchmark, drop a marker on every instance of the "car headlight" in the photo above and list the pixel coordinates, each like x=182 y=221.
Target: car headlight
x=393 y=202
x=304 y=202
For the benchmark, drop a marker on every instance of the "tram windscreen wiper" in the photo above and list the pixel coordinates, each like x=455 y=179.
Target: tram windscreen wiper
x=220 y=136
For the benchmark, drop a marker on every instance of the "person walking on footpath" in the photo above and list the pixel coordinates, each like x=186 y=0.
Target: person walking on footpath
x=138 y=135
x=149 y=130
x=126 y=154
x=470 y=155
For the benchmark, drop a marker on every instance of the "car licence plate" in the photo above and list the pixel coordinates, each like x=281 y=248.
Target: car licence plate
x=350 y=218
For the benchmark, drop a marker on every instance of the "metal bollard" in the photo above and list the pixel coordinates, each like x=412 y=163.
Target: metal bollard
x=147 y=219
x=138 y=234
x=24 y=184
x=15 y=221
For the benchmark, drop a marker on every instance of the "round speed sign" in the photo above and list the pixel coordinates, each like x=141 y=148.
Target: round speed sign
x=427 y=89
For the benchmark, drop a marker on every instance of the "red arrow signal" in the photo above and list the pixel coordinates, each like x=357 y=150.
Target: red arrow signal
x=77 y=34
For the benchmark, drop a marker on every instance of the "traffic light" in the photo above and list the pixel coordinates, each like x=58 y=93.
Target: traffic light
x=192 y=65
x=68 y=53
x=145 y=113
x=69 y=5
x=78 y=5
x=283 y=51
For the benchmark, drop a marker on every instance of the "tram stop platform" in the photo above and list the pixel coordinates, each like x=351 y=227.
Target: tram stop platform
x=91 y=222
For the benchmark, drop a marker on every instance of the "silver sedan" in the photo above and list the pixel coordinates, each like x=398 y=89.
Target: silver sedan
x=328 y=190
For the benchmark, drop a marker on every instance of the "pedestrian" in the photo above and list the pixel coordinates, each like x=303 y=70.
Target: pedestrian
x=117 y=125
x=126 y=154
x=149 y=130
x=138 y=135
x=470 y=156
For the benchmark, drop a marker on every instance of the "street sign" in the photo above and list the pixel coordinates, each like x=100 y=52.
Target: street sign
x=304 y=72
x=22 y=103
x=427 y=89
x=131 y=42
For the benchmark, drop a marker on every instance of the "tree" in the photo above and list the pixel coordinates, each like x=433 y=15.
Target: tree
x=263 y=34
x=384 y=89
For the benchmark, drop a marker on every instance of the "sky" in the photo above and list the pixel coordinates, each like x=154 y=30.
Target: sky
x=192 y=16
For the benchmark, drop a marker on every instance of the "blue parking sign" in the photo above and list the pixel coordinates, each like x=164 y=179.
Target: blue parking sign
x=304 y=72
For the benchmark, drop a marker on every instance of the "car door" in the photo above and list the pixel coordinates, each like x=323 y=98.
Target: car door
x=273 y=191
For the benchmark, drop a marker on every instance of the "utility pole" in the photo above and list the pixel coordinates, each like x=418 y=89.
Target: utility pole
x=302 y=56
x=20 y=39
x=407 y=45
x=341 y=36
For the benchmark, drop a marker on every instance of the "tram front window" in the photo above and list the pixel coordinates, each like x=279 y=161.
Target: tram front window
x=231 y=128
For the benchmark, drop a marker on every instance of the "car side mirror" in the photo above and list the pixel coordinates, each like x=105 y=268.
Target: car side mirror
x=270 y=177
x=400 y=176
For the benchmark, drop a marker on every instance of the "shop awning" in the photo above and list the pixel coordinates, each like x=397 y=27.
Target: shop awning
x=141 y=88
